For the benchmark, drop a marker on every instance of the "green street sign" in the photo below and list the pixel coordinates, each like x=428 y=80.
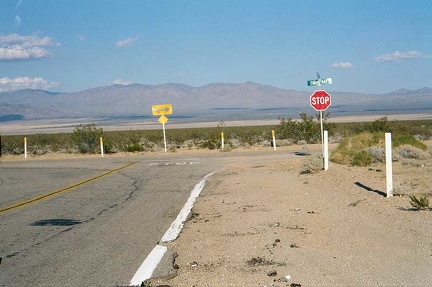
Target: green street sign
x=319 y=82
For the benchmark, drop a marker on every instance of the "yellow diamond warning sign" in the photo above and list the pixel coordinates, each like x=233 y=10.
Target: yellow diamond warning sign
x=163 y=119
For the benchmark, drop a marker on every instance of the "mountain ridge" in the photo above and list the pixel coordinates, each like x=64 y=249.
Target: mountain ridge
x=210 y=101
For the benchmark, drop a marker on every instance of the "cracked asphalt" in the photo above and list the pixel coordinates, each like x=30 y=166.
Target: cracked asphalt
x=95 y=234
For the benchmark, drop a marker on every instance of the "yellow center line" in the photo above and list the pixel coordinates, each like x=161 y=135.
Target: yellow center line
x=64 y=189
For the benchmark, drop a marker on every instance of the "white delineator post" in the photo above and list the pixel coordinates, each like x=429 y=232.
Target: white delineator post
x=274 y=140
x=389 y=163
x=25 y=147
x=326 y=151
x=223 y=140
x=101 y=144
x=165 y=144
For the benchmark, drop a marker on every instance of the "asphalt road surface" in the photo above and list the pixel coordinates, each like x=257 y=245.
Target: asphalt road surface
x=98 y=232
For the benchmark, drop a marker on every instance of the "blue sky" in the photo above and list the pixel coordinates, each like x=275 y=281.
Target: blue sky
x=371 y=46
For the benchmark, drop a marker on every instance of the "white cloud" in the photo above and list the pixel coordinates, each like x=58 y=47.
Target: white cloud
x=81 y=37
x=17 y=47
x=27 y=41
x=22 y=53
x=400 y=56
x=342 y=65
x=122 y=82
x=126 y=42
x=8 y=84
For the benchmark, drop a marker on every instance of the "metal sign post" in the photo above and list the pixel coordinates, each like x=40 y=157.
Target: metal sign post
x=320 y=100
x=163 y=120
x=162 y=110
x=163 y=128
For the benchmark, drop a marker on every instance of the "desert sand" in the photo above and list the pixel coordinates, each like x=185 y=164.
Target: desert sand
x=265 y=224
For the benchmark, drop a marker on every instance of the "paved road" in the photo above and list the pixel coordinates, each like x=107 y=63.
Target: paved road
x=99 y=232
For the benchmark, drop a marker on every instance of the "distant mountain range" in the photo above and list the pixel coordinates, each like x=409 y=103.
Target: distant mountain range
x=212 y=102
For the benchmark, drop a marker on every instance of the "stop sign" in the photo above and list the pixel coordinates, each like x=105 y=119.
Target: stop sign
x=320 y=100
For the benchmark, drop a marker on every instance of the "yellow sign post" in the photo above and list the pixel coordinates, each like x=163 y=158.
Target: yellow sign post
x=162 y=110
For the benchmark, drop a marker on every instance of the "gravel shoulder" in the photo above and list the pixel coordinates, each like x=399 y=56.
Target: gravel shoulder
x=268 y=225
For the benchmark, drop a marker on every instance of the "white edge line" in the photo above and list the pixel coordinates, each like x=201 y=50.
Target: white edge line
x=177 y=225
x=153 y=259
x=149 y=265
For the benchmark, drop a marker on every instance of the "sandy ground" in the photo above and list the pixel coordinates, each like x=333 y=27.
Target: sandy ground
x=268 y=225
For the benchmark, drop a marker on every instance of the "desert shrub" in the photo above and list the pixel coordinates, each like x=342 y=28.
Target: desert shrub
x=267 y=143
x=340 y=158
x=410 y=152
x=12 y=145
x=40 y=144
x=227 y=148
x=355 y=150
x=189 y=144
x=364 y=148
x=379 y=125
x=306 y=129
x=37 y=144
x=41 y=139
x=361 y=158
x=312 y=164
x=285 y=142
x=34 y=151
x=408 y=140
x=377 y=153
x=250 y=138
x=302 y=131
x=108 y=146
x=367 y=139
x=131 y=142
x=421 y=203
x=86 y=138
x=211 y=143
x=422 y=129
x=235 y=143
x=133 y=147
x=148 y=145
